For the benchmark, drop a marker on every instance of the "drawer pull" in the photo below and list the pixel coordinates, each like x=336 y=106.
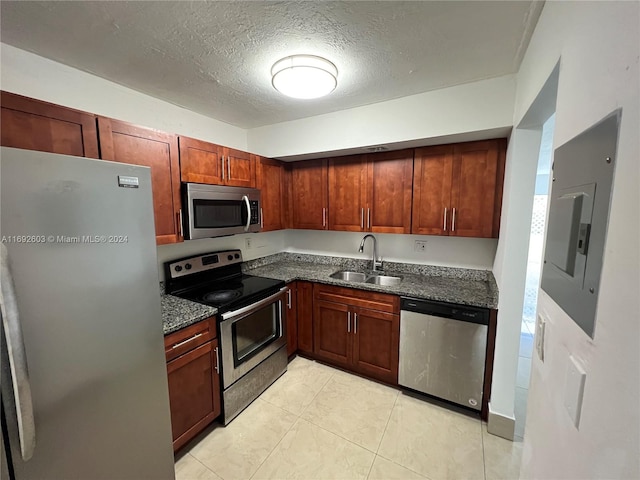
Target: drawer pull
x=184 y=342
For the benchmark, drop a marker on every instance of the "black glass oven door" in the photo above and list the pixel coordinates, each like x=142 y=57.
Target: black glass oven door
x=254 y=332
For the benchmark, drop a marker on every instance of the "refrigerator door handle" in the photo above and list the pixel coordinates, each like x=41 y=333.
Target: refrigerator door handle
x=17 y=359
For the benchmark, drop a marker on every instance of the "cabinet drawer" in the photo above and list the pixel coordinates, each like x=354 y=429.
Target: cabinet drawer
x=182 y=341
x=382 y=302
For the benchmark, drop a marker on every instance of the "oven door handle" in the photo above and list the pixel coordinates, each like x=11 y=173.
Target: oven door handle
x=236 y=315
x=246 y=201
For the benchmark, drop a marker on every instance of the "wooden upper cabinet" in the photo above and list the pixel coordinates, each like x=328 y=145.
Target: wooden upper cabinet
x=240 y=168
x=309 y=200
x=200 y=162
x=432 y=190
x=458 y=189
x=126 y=143
x=371 y=193
x=204 y=162
x=270 y=181
x=347 y=193
x=34 y=125
x=389 y=185
x=473 y=190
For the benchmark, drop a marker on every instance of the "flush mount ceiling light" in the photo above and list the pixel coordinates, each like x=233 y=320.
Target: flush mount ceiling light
x=304 y=76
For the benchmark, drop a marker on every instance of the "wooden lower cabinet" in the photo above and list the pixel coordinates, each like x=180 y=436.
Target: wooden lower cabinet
x=194 y=383
x=292 y=319
x=357 y=330
x=304 y=310
x=376 y=344
x=332 y=332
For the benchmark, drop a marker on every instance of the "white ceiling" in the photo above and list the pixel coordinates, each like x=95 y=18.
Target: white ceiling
x=215 y=57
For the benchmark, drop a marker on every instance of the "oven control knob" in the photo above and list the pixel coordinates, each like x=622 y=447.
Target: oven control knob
x=230 y=257
x=187 y=266
x=237 y=255
x=178 y=268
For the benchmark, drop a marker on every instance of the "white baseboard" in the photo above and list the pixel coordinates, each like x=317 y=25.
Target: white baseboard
x=501 y=425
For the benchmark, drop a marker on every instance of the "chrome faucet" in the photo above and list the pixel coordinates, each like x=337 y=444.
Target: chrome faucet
x=377 y=262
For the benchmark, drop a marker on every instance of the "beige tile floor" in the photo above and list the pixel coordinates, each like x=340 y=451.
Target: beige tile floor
x=317 y=422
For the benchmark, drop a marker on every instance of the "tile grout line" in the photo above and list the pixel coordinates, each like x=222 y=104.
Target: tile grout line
x=395 y=400
x=299 y=417
x=279 y=441
x=192 y=456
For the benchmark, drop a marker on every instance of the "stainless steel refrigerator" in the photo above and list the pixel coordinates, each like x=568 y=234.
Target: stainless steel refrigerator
x=84 y=380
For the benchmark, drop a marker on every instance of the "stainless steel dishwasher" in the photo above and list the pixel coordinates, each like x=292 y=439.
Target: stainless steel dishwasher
x=443 y=350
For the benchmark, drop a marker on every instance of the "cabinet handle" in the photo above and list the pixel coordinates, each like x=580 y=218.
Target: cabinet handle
x=289 y=299
x=444 y=225
x=261 y=219
x=222 y=168
x=348 y=322
x=217 y=361
x=324 y=217
x=453 y=220
x=184 y=342
x=362 y=218
x=228 y=169
x=368 y=218
x=355 y=323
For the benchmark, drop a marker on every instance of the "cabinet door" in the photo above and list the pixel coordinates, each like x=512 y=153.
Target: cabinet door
x=270 y=180
x=390 y=183
x=200 y=162
x=194 y=392
x=347 y=193
x=332 y=337
x=292 y=320
x=432 y=177
x=34 y=125
x=376 y=344
x=309 y=195
x=473 y=189
x=122 y=142
x=304 y=309
x=240 y=168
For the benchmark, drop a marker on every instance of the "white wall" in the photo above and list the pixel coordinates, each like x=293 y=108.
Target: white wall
x=471 y=107
x=27 y=74
x=598 y=43
x=510 y=267
x=474 y=253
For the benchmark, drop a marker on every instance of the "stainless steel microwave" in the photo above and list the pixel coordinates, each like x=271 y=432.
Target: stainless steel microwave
x=216 y=211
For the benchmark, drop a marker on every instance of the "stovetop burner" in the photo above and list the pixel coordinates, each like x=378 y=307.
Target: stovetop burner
x=221 y=296
x=216 y=279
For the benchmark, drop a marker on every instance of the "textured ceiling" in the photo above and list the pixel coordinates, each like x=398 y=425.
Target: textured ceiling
x=215 y=57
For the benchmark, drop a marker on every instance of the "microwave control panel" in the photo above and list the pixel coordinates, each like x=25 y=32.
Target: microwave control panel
x=255 y=212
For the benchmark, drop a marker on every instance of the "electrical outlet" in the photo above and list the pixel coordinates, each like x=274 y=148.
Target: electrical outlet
x=420 y=246
x=248 y=243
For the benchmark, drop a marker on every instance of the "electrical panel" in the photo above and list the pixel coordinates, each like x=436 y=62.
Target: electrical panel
x=578 y=216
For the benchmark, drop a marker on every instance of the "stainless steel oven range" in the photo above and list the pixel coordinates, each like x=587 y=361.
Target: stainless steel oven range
x=251 y=322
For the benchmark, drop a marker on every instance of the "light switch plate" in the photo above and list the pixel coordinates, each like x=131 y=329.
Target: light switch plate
x=541 y=325
x=574 y=389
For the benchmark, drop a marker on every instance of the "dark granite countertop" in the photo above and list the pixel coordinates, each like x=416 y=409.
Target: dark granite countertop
x=455 y=285
x=178 y=313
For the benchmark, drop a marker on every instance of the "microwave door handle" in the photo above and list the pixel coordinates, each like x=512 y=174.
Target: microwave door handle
x=17 y=359
x=246 y=201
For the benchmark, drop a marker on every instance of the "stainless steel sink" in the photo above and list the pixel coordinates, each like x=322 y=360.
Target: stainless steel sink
x=384 y=280
x=349 y=276
x=360 y=277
